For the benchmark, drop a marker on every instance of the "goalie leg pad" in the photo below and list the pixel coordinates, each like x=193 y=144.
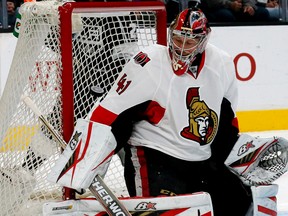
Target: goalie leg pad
x=185 y=205
x=258 y=161
x=264 y=200
x=87 y=154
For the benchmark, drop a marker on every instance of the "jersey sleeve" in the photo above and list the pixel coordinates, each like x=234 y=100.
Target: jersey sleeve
x=136 y=84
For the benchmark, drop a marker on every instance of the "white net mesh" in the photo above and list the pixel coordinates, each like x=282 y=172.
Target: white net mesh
x=102 y=42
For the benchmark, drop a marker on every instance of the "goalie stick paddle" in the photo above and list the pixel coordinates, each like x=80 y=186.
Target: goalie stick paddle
x=98 y=188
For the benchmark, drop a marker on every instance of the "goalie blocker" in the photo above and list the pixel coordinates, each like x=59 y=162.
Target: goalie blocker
x=87 y=154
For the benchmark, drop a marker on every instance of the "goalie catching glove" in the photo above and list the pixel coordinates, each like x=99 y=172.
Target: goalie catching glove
x=258 y=161
x=87 y=154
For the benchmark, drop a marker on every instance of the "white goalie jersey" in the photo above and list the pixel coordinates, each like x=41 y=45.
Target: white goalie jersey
x=180 y=114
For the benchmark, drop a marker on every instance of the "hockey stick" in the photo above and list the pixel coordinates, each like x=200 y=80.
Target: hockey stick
x=98 y=188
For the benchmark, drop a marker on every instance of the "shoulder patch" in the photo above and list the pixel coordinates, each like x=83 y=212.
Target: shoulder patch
x=141 y=58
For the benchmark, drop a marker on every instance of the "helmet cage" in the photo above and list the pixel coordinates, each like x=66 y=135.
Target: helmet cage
x=196 y=28
x=178 y=52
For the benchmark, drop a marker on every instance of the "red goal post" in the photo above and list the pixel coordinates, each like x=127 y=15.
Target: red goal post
x=64 y=49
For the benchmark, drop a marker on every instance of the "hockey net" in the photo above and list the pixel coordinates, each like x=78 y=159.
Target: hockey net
x=64 y=49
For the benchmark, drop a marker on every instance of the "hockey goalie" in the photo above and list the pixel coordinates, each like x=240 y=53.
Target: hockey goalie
x=172 y=109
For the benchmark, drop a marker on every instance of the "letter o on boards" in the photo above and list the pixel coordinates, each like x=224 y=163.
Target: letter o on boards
x=252 y=63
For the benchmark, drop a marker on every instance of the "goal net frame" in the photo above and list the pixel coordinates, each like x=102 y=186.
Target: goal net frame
x=19 y=127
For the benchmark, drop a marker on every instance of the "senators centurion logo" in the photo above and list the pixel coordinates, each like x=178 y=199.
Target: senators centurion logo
x=203 y=121
x=141 y=58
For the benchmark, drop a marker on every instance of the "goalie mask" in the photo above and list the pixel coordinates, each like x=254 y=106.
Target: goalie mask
x=188 y=36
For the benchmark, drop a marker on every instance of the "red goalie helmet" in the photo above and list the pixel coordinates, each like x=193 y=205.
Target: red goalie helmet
x=188 y=36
